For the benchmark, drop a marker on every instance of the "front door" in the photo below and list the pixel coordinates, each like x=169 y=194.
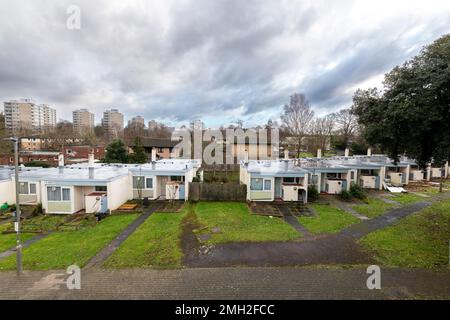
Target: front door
x=181 y=192
x=104 y=204
x=278 y=193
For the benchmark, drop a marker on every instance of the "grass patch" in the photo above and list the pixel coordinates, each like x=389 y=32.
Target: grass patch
x=373 y=208
x=327 y=219
x=408 y=198
x=156 y=243
x=236 y=224
x=418 y=241
x=7 y=241
x=61 y=249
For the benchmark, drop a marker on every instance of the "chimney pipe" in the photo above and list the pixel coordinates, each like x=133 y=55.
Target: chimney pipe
x=61 y=162
x=153 y=154
x=319 y=153
x=91 y=159
x=153 y=165
x=369 y=152
x=91 y=172
x=347 y=152
x=246 y=157
x=286 y=154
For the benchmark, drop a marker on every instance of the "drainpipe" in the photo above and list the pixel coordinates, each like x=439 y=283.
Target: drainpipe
x=319 y=153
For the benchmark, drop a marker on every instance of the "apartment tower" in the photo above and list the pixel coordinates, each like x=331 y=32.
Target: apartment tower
x=83 y=121
x=112 y=122
x=26 y=114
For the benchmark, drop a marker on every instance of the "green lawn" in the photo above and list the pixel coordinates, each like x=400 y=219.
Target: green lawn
x=328 y=219
x=408 y=198
x=62 y=249
x=419 y=241
x=156 y=243
x=7 y=241
x=373 y=208
x=236 y=224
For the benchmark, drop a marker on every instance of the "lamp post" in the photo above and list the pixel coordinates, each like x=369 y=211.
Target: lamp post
x=17 y=222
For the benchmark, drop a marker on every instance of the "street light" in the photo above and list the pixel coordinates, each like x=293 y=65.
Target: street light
x=17 y=222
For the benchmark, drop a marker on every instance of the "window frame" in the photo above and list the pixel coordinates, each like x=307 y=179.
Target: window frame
x=61 y=194
x=28 y=187
x=263 y=185
x=144 y=183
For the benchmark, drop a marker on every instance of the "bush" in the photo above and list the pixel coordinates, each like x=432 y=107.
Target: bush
x=357 y=192
x=37 y=210
x=345 y=195
x=196 y=179
x=313 y=194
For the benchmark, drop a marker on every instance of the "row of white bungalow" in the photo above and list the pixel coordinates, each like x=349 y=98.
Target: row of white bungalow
x=94 y=187
x=289 y=179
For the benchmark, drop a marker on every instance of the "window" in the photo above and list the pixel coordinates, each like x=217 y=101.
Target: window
x=138 y=182
x=160 y=150
x=352 y=175
x=23 y=188
x=65 y=194
x=54 y=193
x=260 y=184
x=58 y=194
x=289 y=180
x=149 y=183
x=101 y=188
x=32 y=188
x=176 y=178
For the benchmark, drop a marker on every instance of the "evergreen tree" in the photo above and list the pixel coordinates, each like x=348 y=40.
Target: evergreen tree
x=138 y=155
x=116 y=152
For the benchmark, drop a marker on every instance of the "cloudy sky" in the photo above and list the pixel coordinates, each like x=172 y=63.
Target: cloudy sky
x=216 y=60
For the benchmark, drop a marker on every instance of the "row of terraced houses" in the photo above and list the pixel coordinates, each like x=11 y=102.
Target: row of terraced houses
x=94 y=187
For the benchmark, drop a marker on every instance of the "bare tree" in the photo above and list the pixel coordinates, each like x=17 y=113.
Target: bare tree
x=347 y=124
x=322 y=130
x=296 y=118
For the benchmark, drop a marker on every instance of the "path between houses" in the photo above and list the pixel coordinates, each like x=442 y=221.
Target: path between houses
x=293 y=221
x=26 y=244
x=106 y=252
x=228 y=283
x=338 y=248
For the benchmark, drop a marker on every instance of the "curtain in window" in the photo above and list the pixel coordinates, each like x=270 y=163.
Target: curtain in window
x=256 y=184
x=66 y=194
x=267 y=184
x=32 y=188
x=149 y=183
x=23 y=187
x=138 y=182
x=54 y=193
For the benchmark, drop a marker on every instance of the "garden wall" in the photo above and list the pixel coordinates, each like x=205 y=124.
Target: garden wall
x=216 y=191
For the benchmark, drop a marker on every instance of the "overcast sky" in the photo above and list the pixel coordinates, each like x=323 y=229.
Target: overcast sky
x=216 y=60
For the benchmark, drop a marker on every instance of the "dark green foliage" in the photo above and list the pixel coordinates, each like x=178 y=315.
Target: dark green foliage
x=412 y=114
x=116 y=152
x=138 y=155
x=37 y=164
x=38 y=210
x=313 y=194
x=345 y=195
x=357 y=192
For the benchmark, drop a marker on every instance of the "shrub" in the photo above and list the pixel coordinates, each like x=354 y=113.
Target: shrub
x=37 y=210
x=357 y=192
x=313 y=194
x=345 y=195
x=196 y=179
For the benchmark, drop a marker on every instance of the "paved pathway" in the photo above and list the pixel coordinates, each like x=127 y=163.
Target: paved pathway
x=113 y=245
x=228 y=283
x=293 y=221
x=350 y=210
x=26 y=244
x=339 y=248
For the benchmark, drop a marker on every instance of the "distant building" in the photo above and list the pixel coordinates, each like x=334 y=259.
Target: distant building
x=197 y=125
x=36 y=143
x=83 y=120
x=152 y=125
x=164 y=148
x=79 y=154
x=112 y=122
x=137 y=121
x=26 y=114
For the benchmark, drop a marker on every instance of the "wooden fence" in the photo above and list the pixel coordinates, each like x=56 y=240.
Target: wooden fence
x=216 y=191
